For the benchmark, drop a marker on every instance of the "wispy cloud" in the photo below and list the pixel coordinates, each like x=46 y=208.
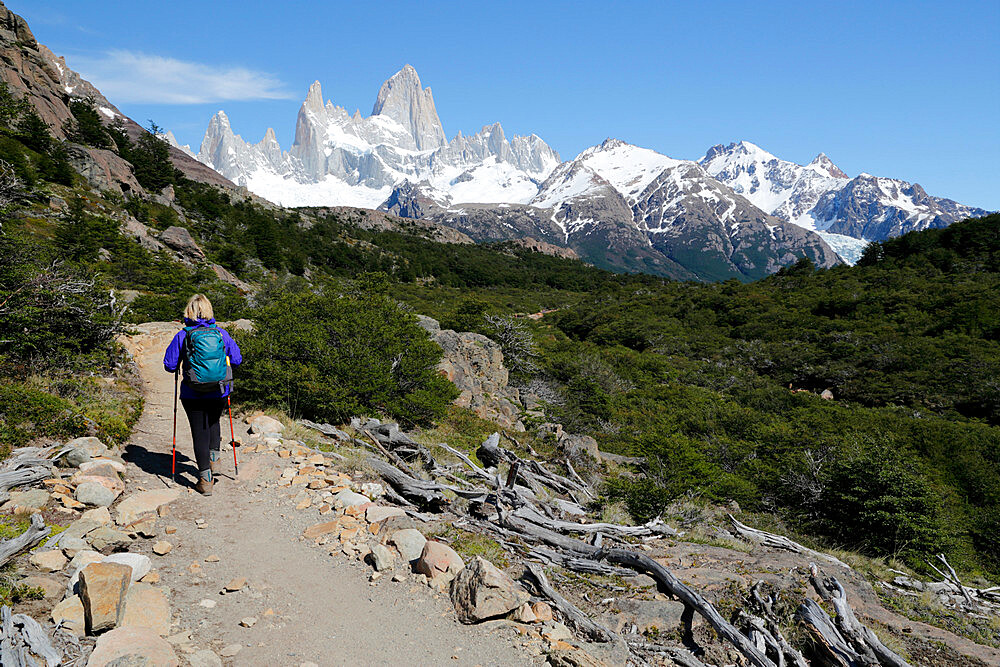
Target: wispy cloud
x=129 y=76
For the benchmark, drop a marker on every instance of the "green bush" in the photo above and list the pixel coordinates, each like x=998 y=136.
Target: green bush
x=50 y=315
x=880 y=503
x=27 y=412
x=329 y=357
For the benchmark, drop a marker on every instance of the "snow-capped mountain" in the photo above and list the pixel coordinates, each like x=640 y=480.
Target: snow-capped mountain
x=629 y=208
x=343 y=158
x=738 y=211
x=847 y=212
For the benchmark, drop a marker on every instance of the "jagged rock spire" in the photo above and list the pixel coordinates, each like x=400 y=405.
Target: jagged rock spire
x=403 y=100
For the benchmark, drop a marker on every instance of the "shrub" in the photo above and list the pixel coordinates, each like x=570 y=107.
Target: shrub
x=329 y=357
x=50 y=315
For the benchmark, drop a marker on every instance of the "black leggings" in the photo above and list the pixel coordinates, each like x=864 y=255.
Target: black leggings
x=204 y=414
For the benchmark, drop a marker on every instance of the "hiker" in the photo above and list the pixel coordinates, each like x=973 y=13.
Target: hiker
x=206 y=355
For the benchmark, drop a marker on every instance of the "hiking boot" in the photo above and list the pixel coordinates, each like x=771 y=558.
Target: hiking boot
x=204 y=487
x=216 y=466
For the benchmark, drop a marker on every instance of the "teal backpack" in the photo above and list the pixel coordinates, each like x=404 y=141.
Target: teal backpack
x=206 y=366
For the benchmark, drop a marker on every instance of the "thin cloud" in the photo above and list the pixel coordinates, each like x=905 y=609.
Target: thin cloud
x=133 y=77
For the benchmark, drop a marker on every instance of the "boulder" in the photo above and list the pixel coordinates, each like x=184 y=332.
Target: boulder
x=542 y=611
x=48 y=561
x=103 y=587
x=99 y=514
x=106 y=538
x=50 y=587
x=132 y=647
x=382 y=558
x=81 y=527
x=481 y=591
x=75 y=457
x=100 y=464
x=827 y=395
x=378 y=513
x=144 y=502
x=147 y=607
x=71 y=546
x=99 y=470
x=139 y=563
x=438 y=562
x=90 y=444
x=581 y=445
x=524 y=614
x=81 y=560
x=69 y=615
x=179 y=239
x=349 y=498
x=409 y=542
x=103 y=169
x=262 y=424
x=26 y=501
x=95 y=494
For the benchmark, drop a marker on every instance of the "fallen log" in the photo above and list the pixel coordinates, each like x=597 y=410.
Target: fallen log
x=476 y=470
x=765 y=606
x=36 y=639
x=581 y=565
x=21 y=476
x=780 y=542
x=413 y=489
x=830 y=649
x=680 y=656
x=952 y=577
x=530 y=472
x=654 y=527
x=642 y=563
x=36 y=532
x=672 y=585
x=861 y=638
x=574 y=617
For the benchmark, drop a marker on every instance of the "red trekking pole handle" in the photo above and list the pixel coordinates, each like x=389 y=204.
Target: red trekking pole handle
x=232 y=436
x=173 y=446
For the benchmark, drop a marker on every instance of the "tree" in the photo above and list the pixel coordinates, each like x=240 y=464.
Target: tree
x=86 y=126
x=879 y=502
x=151 y=160
x=11 y=107
x=11 y=189
x=34 y=132
x=81 y=235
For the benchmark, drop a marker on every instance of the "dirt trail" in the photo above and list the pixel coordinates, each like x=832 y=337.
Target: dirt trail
x=324 y=609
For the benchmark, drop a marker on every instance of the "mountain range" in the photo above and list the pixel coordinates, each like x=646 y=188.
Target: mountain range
x=739 y=211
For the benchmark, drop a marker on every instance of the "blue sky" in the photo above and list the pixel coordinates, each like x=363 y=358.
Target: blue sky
x=903 y=89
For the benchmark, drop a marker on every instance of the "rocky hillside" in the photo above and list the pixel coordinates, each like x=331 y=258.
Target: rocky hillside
x=34 y=72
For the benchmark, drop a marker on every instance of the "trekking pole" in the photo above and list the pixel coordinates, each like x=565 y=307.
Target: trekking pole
x=173 y=447
x=232 y=436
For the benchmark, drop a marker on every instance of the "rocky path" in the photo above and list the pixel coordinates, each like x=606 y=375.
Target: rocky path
x=302 y=603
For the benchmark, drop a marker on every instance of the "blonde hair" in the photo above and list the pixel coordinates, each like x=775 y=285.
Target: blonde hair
x=198 y=308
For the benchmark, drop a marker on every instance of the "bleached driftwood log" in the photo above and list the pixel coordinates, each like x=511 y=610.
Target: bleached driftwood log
x=36 y=532
x=844 y=638
x=780 y=542
x=20 y=637
x=654 y=527
x=574 y=617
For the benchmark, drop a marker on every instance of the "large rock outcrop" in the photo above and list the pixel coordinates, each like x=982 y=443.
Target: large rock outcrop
x=474 y=364
x=103 y=169
x=33 y=72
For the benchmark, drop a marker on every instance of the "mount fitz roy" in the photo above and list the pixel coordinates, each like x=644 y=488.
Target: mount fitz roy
x=737 y=212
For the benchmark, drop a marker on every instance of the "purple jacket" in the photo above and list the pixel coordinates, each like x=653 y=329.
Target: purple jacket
x=172 y=357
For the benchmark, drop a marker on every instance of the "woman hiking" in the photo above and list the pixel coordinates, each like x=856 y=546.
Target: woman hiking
x=205 y=355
